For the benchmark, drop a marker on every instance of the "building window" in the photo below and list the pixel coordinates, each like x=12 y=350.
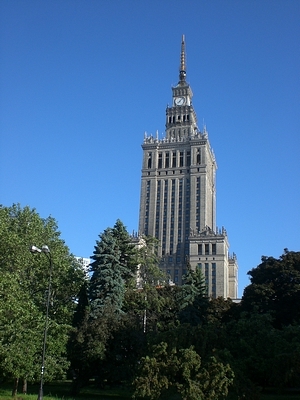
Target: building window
x=188 y=158
x=198 y=156
x=181 y=159
x=149 y=160
x=214 y=249
x=213 y=269
x=174 y=159
x=206 y=249
x=199 y=249
x=167 y=160
x=160 y=160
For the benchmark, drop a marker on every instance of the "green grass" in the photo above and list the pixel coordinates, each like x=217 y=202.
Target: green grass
x=61 y=391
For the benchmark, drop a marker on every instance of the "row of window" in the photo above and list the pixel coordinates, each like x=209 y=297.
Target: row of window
x=172 y=118
x=207 y=249
x=198 y=204
x=169 y=214
x=147 y=207
x=173 y=159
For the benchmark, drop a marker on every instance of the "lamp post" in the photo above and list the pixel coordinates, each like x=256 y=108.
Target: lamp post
x=45 y=249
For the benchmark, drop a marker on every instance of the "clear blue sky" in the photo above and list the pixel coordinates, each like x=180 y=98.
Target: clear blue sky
x=82 y=80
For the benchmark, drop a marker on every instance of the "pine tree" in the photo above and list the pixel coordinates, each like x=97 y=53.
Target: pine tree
x=149 y=272
x=128 y=252
x=107 y=286
x=193 y=297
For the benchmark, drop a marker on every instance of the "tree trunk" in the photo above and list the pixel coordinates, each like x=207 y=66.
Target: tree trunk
x=15 y=387
x=24 y=387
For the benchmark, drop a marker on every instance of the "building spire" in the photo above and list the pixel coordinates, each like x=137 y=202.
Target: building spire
x=182 y=68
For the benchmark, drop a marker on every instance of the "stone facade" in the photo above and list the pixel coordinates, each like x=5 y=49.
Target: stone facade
x=178 y=197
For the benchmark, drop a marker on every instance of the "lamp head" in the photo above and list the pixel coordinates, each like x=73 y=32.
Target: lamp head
x=45 y=249
x=34 y=249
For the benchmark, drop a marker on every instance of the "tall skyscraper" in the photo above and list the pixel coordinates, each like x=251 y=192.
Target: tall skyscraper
x=178 y=197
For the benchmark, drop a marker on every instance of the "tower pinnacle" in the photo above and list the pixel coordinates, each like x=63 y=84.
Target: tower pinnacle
x=182 y=68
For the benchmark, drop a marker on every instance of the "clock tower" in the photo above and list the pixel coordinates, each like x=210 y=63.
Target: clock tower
x=178 y=196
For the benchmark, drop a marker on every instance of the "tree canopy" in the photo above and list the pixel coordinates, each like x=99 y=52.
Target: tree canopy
x=23 y=286
x=275 y=288
x=126 y=325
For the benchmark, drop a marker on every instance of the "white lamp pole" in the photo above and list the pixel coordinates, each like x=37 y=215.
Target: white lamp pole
x=45 y=249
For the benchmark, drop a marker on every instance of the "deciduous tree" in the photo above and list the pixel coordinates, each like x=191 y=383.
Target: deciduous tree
x=275 y=288
x=170 y=370
x=24 y=282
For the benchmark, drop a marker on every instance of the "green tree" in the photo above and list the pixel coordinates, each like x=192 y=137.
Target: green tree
x=193 y=297
x=141 y=311
x=20 y=325
x=114 y=267
x=149 y=273
x=100 y=306
x=145 y=299
x=169 y=370
x=23 y=291
x=275 y=288
x=261 y=354
x=252 y=354
x=285 y=366
x=76 y=344
x=107 y=285
x=128 y=252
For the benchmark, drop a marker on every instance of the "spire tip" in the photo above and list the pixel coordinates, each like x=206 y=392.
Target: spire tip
x=182 y=68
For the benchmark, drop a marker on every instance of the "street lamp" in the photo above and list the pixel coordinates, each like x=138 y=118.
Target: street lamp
x=45 y=249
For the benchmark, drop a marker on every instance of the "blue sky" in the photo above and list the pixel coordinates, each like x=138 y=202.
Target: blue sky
x=80 y=82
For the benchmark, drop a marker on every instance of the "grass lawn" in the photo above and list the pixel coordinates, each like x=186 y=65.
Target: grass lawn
x=61 y=391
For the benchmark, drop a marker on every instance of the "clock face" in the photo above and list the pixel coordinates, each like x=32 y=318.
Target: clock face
x=179 y=101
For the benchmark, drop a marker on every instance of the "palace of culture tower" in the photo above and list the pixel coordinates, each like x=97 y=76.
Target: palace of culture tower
x=178 y=197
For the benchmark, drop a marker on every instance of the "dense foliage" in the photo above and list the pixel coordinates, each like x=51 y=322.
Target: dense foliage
x=130 y=327
x=23 y=290
x=174 y=341
x=275 y=288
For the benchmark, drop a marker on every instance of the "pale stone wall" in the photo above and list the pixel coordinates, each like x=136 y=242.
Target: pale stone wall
x=178 y=197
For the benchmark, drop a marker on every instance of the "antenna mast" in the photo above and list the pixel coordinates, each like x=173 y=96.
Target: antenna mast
x=182 y=68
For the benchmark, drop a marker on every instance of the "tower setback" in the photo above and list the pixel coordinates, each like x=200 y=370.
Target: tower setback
x=178 y=197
